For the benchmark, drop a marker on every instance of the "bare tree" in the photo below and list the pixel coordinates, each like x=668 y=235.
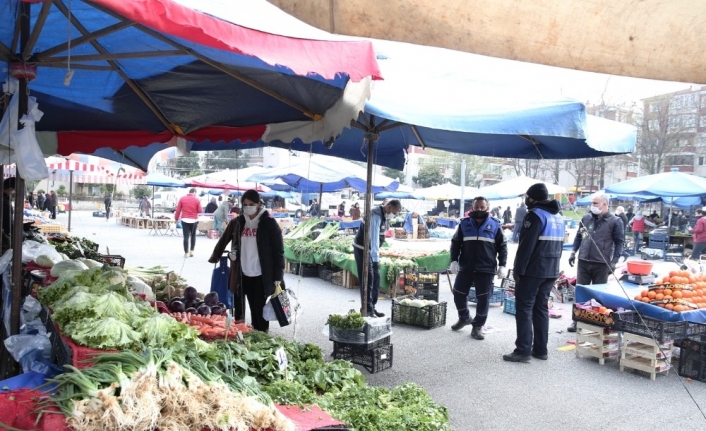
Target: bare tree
x=667 y=131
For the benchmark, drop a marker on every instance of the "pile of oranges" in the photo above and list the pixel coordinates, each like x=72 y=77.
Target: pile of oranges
x=678 y=291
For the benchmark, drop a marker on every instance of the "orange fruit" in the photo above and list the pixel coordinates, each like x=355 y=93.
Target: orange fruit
x=677 y=294
x=659 y=291
x=674 y=279
x=651 y=294
x=673 y=273
x=667 y=292
x=645 y=299
x=602 y=310
x=659 y=296
x=638 y=298
x=660 y=305
x=644 y=293
x=669 y=306
x=665 y=279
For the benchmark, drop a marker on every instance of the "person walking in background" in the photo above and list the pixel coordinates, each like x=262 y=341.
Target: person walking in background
x=30 y=199
x=535 y=269
x=108 y=202
x=520 y=213
x=355 y=212
x=699 y=236
x=188 y=210
x=378 y=216
x=52 y=204
x=220 y=216
x=599 y=242
x=507 y=216
x=145 y=207
x=211 y=207
x=314 y=209
x=342 y=209
x=638 y=225
x=257 y=258
x=478 y=253
x=629 y=214
x=40 y=201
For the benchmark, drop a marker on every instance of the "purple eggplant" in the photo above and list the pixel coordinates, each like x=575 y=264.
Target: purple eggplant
x=193 y=303
x=190 y=293
x=218 y=310
x=204 y=310
x=191 y=310
x=177 y=306
x=211 y=299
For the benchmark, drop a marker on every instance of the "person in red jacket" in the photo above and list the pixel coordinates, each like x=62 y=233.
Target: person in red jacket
x=187 y=211
x=699 y=236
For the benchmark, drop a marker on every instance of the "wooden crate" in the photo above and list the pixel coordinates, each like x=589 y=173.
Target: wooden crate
x=597 y=342
x=344 y=278
x=641 y=353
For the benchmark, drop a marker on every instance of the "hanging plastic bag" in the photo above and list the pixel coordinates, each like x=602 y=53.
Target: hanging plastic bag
x=29 y=157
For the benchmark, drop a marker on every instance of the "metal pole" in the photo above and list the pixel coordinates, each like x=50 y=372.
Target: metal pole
x=71 y=190
x=321 y=197
x=152 y=201
x=372 y=139
x=462 y=207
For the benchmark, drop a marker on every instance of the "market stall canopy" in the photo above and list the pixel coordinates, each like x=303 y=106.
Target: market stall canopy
x=672 y=184
x=160 y=180
x=445 y=192
x=398 y=195
x=93 y=170
x=228 y=179
x=454 y=104
x=130 y=73
x=515 y=187
x=322 y=174
x=646 y=39
x=682 y=202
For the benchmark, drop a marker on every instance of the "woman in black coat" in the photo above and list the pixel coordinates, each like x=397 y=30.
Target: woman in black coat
x=257 y=258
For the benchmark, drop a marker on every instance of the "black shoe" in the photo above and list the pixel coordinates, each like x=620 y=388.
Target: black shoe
x=477 y=334
x=378 y=314
x=460 y=324
x=516 y=357
x=538 y=356
x=572 y=328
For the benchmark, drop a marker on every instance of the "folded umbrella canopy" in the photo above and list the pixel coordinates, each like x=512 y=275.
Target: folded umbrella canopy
x=124 y=74
x=671 y=184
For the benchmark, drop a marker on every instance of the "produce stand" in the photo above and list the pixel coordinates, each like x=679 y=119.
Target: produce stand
x=612 y=296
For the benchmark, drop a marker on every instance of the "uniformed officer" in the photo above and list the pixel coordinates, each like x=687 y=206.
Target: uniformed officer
x=379 y=215
x=476 y=248
x=536 y=268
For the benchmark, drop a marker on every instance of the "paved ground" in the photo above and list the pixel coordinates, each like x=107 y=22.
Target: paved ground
x=468 y=376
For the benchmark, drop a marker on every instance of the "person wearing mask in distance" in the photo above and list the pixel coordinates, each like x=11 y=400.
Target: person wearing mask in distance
x=535 y=269
x=220 y=216
x=478 y=253
x=638 y=224
x=599 y=242
x=188 y=210
x=257 y=255
x=379 y=215
x=699 y=236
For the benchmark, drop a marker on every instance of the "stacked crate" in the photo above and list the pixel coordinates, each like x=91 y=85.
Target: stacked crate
x=369 y=346
x=643 y=354
x=597 y=341
x=421 y=283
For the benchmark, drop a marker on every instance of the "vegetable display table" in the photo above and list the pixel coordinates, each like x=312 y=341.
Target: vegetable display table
x=611 y=295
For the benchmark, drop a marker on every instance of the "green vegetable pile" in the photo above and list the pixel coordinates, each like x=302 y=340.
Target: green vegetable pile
x=352 y=320
x=69 y=248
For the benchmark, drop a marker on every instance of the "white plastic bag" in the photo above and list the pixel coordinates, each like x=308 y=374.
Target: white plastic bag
x=29 y=157
x=268 y=313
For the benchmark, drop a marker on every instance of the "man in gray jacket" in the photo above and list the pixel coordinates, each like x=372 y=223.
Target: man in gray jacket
x=599 y=242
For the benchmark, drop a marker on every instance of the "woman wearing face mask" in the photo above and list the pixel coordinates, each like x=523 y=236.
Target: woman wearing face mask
x=257 y=258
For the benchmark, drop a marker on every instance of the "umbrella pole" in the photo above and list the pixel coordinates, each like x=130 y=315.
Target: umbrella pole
x=462 y=204
x=71 y=191
x=372 y=139
x=321 y=197
x=152 y=201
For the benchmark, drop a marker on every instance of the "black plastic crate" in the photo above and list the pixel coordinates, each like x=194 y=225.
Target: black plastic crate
x=308 y=270
x=694 y=328
x=325 y=272
x=631 y=322
x=692 y=359
x=428 y=294
x=375 y=329
x=497 y=297
x=112 y=260
x=374 y=360
x=61 y=353
x=293 y=268
x=428 y=317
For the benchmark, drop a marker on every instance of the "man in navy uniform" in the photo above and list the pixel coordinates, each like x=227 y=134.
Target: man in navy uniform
x=478 y=253
x=536 y=269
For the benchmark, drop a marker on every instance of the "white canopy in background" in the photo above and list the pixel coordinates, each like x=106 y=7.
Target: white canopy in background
x=515 y=187
x=445 y=192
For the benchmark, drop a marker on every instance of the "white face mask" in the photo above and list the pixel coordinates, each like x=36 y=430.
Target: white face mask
x=389 y=216
x=250 y=210
x=596 y=210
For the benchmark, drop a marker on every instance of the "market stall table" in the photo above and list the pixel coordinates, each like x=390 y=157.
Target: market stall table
x=611 y=295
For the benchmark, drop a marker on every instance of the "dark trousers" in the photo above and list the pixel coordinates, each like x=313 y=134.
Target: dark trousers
x=699 y=249
x=107 y=212
x=189 y=230
x=592 y=272
x=254 y=291
x=484 y=290
x=532 y=315
x=373 y=278
x=52 y=210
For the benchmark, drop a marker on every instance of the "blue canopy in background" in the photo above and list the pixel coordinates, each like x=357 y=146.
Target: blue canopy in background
x=160 y=180
x=270 y=194
x=321 y=176
x=672 y=184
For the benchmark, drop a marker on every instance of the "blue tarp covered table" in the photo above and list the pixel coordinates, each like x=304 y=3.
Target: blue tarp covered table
x=612 y=296
x=447 y=222
x=353 y=224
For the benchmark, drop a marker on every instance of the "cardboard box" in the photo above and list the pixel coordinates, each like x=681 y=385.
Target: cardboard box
x=591 y=317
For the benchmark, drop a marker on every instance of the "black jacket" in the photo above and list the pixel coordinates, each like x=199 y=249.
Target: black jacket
x=624 y=219
x=479 y=256
x=270 y=249
x=600 y=238
x=536 y=258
